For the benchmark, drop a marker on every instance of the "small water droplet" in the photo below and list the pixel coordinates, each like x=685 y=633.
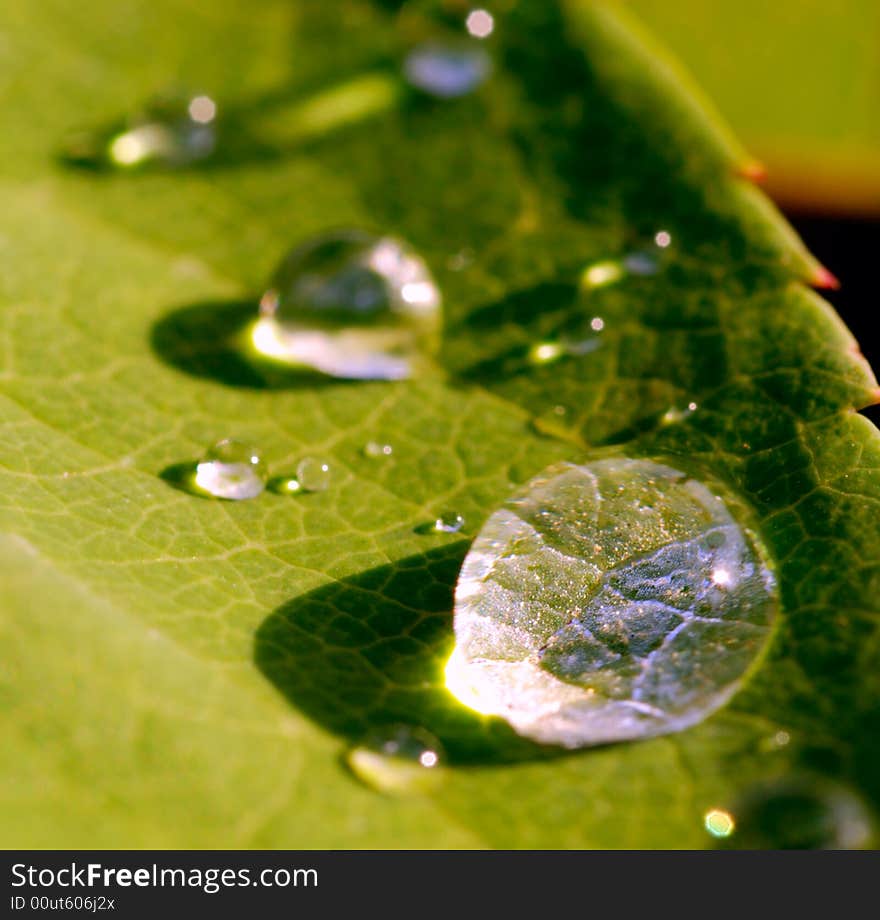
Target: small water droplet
x=449 y=522
x=447 y=69
x=609 y=601
x=663 y=239
x=801 y=813
x=674 y=415
x=602 y=274
x=168 y=132
x=314 y=474
x=351 y=305
x=231 y=469
x=480 y=23
x=597 y=324
x=719 y=823
x=546 y=352
x=398 y=760
x=376 y=450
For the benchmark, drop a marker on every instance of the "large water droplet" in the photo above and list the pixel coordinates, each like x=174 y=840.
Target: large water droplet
x=447 y=69
x=609 y=601
x=351 y=305
x=314 y=474
x=167 y=132
x=397 y=759
x=801 y=813
x=231 y=469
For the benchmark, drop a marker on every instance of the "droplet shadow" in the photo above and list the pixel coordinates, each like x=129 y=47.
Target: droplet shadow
x=209 y=340
x=369 y=651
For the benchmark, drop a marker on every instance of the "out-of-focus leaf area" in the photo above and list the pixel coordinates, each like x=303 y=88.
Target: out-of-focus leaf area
x=799 y=81
x=184 y=671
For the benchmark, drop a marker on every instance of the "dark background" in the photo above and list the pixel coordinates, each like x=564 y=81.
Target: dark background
x=850 y=248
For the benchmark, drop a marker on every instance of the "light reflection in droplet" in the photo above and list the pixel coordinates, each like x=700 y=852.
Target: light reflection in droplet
x=597 y=324
x=663 y=239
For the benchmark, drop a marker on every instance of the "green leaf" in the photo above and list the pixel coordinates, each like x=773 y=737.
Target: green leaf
x=185 y=672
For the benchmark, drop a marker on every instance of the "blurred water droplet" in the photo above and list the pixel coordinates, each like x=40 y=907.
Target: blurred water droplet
x=719 y=823
x=663 y=239
x=602 y=274
x=609 y=601
x=449 y=522
x=546 y=352
x=447 y=69
x=314 y=474
x=398 y=760
x=597 y=324
x=376 y=450
x=801 y=813
x=351 y=305
x=480 y=23
x=231 y=469
x=168 y=132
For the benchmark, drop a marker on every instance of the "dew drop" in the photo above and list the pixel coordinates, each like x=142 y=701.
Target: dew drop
x=375 y=450
x=314 y=474
x=609 y=601
x=398 y=760
x=447 y=69
x=351 y=305
x=719 y=823
x=480 y=23
x=168 y=132
x=602 y=274
x=801 y=813
x=231 y=469
x=449 y=522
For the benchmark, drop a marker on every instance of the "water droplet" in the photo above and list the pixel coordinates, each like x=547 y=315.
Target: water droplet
x=397 y=759
x=609 y=601
x=314 y=475
x=602 y=274
x=663 y=239
x=597 y=324
x=351 y=305
x=719 y=823
x=480 y=23
x=447 y=69
x=169 y=132
x=449 y=522
x=231 y=469
x=801 y=813
x=375 y=450
x=675 y=415
x=546 y=352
